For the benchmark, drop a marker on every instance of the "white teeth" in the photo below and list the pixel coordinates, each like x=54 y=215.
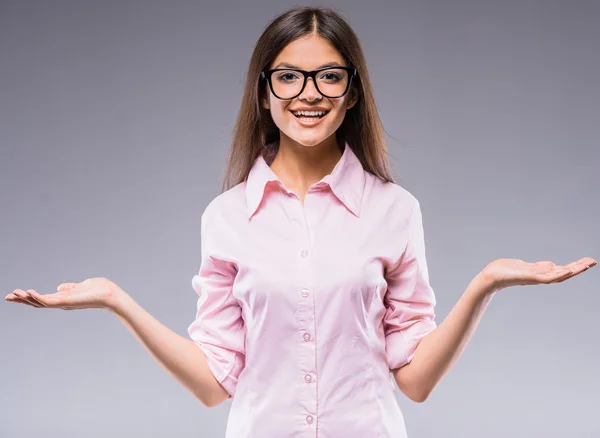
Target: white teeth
x=309 y=113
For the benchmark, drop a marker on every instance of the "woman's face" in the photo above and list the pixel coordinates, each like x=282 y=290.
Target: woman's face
x=308 y=53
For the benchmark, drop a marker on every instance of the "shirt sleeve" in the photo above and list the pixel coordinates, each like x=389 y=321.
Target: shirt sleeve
x=410 y=299
x=218 y=329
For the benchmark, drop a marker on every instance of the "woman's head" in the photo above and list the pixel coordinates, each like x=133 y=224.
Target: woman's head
x=287 y=93
x=307 y=38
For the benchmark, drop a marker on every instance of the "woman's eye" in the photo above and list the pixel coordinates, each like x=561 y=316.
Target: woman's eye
x=287 y=77
x=330 y=77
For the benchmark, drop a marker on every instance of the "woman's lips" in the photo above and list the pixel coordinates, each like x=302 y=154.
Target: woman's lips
x=306 y=123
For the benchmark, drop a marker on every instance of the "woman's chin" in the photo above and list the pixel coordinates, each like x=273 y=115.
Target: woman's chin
x=308 y=139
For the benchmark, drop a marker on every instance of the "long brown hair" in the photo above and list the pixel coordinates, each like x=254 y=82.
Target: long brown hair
x=255 y=130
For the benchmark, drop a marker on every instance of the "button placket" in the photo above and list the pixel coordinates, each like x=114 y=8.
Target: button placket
x=307 y=396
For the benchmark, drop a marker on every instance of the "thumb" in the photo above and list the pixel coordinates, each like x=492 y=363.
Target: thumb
x=65 y=286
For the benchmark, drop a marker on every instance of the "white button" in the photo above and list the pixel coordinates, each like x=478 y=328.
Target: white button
x=309 y=419
x=308 y=378
x=307 y=337
x=304 y=253
x=305 y=293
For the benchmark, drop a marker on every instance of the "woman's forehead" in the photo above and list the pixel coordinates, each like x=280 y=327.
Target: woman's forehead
x=309 y=52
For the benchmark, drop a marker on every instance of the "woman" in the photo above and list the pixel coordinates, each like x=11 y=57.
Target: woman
x=313 y=287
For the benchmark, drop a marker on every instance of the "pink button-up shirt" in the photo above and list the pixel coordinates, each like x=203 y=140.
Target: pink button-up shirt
x=303 y=310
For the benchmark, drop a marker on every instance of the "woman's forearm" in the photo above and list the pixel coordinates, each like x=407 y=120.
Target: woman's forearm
x=178 y=355
x=439 y=349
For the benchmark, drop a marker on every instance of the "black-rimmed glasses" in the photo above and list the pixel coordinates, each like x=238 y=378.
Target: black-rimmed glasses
x=288 y=83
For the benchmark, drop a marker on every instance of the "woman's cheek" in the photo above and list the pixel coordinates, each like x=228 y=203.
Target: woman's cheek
x=279 y=117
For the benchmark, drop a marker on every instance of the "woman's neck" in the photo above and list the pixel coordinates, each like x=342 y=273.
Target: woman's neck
x=299 y=166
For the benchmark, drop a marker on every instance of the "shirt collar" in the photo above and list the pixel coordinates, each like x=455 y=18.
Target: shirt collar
x=346 y=180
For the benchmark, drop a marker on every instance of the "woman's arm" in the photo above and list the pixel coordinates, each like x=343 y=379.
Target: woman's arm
x=178 y=355
x=439 y=349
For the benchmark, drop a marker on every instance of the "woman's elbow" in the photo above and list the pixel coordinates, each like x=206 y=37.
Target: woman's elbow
x=217 y=396
x=419 y=397
x=410 y=386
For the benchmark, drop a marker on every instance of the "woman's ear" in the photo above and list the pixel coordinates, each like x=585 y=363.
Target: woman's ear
x=352 y=97
x=264 y=100
x=265 y=103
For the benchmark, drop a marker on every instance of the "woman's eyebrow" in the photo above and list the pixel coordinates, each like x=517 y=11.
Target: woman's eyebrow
x=288 y=65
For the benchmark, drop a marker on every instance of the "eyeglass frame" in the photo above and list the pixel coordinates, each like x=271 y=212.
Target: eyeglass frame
x=266 y=74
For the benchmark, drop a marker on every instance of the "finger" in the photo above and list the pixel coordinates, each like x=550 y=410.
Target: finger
x=65 y=286
x=46 y=300
x=573 y=264
x=588 y=261
x=49 y=300
x=18 y=300
x=577 y=269
x=548 y=276
x=585 y=261
x=563 y=277
x=35 y=297
x=551 y=269
x=581 y=268
x=22 y=295
x=10 y=297
x=33 y=302
x=560 y=280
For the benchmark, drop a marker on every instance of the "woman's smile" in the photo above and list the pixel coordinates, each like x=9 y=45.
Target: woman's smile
x=309 y=118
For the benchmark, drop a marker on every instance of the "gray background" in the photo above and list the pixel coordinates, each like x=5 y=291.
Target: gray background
x=115 y=120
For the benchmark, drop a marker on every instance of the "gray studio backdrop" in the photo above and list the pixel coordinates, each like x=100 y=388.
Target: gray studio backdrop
x=115 y=119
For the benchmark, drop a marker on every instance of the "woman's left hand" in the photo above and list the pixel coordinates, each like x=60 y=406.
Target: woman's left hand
x=504 y=273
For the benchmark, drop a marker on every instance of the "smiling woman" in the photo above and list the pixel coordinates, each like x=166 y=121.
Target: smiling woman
x=307 y=92
x=313 y=288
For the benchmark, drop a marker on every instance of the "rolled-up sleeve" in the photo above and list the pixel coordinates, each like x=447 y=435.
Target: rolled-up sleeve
x=409 y=299
x=218 y=329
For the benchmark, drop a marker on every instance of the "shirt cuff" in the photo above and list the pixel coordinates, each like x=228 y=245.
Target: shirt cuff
x=400 y=346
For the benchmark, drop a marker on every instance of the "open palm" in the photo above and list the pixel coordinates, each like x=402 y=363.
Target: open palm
x=504 y=273
x=96 y=292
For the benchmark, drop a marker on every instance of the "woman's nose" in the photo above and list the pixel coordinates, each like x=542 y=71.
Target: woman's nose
x=310 y=91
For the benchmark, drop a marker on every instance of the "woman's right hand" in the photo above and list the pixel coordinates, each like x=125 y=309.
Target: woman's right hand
x=98 y=292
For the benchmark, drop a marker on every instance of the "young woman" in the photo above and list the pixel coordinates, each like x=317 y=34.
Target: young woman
x=313 y=286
